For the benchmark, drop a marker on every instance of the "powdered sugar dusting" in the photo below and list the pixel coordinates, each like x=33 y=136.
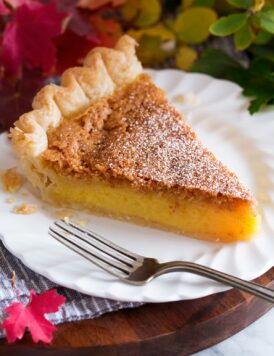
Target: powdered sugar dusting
x=145 y=141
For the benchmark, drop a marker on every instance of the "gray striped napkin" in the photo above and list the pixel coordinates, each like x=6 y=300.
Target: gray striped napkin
x=78 y=306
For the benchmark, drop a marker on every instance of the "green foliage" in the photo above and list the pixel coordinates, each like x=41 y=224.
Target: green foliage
x=208 y=3
x=267 y=20
x=241 y=4
x=143 y=13
x=244 y=37
x=158 y=30
x=151 y=51
x=192 y=25
x=218 y=64
x=257 y=81
x=185 y=57
x=223 y=8
x=226 y=26
x=265 y=51
x=263 y=37
x=253 y=25
x=260 y=84
x=173 y=28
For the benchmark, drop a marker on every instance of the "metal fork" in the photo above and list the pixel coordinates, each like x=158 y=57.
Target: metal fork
x=136 y=269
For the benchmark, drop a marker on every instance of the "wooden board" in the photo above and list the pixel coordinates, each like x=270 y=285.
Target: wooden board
x=178 y=328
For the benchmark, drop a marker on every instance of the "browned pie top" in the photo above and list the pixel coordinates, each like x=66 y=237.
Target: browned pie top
x=135 y=135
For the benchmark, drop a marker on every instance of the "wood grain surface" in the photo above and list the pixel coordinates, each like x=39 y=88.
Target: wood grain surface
x=177 y=328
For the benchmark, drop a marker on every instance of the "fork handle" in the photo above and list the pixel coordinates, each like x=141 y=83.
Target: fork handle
x=250 y=287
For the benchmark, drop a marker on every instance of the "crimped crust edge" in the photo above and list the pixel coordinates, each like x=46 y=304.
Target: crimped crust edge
x=104 y=70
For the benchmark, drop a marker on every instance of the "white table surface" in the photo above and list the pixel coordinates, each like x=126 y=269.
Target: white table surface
x=255 y=340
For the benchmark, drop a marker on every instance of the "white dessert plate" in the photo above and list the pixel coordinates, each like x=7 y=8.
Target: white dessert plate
x=218 y=113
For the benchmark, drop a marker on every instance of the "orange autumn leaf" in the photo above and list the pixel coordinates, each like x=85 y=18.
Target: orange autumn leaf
x=95 y=4
x=108 y=30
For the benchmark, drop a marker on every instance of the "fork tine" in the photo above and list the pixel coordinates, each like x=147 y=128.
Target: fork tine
x=67 y=229
x=102 y=262
x=98 y=238
x=112 y=253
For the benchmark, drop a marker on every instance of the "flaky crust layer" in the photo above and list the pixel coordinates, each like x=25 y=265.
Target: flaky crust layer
x=104 y=71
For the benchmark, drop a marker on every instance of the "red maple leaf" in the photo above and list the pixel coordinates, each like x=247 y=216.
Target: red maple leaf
x=7 y=6
x=31 y=316
x=27 y=39
x=3 y=9
x=16 y=3
x=16 y=97
x=78 y=22
x=80 y=37
x=69 y=55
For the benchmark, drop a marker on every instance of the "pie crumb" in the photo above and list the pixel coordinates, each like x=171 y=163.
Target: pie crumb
x=64 y=214
x=178 y=99
x=11 y=200
x=81 y=221
x=188 y=99
x=66 y=219
x=11 y=180
x=25 y=209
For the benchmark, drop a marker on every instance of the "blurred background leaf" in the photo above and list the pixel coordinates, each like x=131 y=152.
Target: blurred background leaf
x=151 y=50
x=192 y=25
x=226 y=26
x=267 y=20
x=159 y=30
x=185 y=57
x=142 y=12
x=241 y=4
x=244 y=37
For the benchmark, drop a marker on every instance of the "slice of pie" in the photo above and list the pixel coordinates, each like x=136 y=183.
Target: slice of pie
x=108 y=141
